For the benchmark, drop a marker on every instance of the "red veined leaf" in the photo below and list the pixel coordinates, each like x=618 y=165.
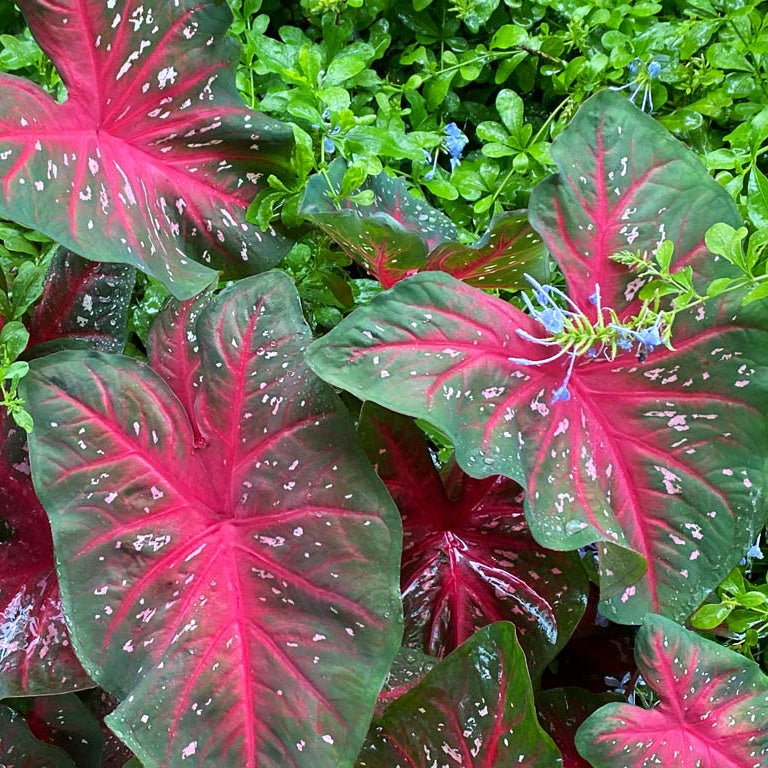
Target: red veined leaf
x=655 y=460
x=468 y=557
x=712 y=714
x=84 y=303
x=239 y=592
x=36 y=655
x=174 y=350
x=500 y=259
x=65 y=722
x=153 y=158
x=562 y=710
x=474 y=709
x=20 y=749
x=400 y=235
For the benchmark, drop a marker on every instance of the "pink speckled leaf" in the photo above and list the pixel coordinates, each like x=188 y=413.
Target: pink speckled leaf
x=153 y=158
x=84 y=303
x=400 y=235
x=500 y=259
x=654 y=460
x=235 y=586
x=36 y=655
x=713 y=710
x=473 y=710
x=468 y=557
x=20 y=749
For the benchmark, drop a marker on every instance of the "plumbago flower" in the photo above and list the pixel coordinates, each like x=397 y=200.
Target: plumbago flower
x=617 y=437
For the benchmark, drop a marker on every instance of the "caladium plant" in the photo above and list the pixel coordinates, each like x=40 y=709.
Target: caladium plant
x=474 y=710
x=398 y=235
x=36 y=655
x=712 y=714
x=468 y=557
x=234 y=583
x=652 y=457
x=84 y=304
x=153 y=158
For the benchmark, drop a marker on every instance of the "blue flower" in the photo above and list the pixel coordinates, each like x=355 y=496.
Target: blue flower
x=561 y=393
x=653 y=69
x=329 y=146
x=455 y=141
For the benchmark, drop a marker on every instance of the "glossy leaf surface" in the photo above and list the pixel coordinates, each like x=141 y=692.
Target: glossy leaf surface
x=20 y=749
x=712 y=714
x=84 y=302
x=468 y=557
x=655 y=460
x=238 y=592
x=474 y=710
x=36 y=655
x=153 y=158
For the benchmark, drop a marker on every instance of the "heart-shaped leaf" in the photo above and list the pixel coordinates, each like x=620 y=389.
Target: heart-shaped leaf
x=20 y=749
x=474 y=710
x=712 y=714
x=153 y=158
x=654 y=459
x=468 y=557
x=237 y=591
x=84 y=303
x=36 y=655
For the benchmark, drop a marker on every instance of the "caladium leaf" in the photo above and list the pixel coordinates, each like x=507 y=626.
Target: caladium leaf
x=65 y=722
x=653 y=459
x=20 y=749
x=153 y=158
x=474 y=709
x=712 y=714
x=239 y=591
x=400 y=235
x=36 y=655
x=509 y=250
x=84 y=303
x=468 y=557
x=562 y=710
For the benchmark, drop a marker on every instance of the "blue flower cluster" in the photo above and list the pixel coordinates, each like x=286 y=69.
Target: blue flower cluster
x=454 y=143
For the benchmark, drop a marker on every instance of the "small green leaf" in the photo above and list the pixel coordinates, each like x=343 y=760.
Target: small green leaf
x=710 y=615
x=759 y=292
x=664 y=255
x=13 y=340
x=757 y=197
x=510 y=108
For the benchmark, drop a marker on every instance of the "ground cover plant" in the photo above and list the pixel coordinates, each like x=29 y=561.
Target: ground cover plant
x=389 y=389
